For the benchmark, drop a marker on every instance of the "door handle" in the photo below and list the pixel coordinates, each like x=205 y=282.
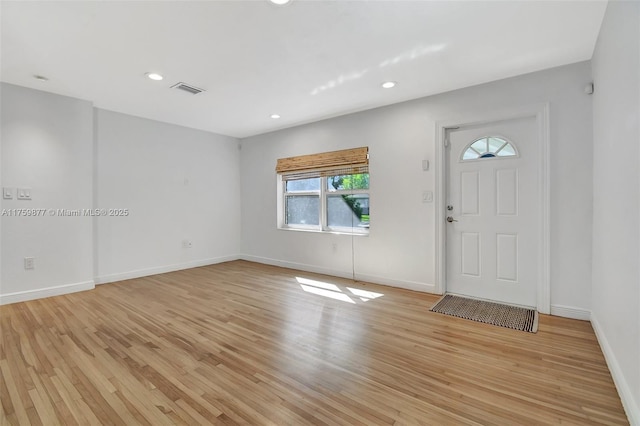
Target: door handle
x=451 y=219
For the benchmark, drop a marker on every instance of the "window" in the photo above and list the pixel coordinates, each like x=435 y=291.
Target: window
x=331 y=203
x=333 y=197
x=489 y=147
x=302 y=201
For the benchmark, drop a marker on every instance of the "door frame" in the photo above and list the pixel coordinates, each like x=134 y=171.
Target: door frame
x=541 y=114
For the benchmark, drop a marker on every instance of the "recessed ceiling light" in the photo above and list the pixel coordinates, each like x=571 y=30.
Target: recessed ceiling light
x=280 y=2
x=154 y=76
x=40 y=78
x=388 y=84
x=275 y=116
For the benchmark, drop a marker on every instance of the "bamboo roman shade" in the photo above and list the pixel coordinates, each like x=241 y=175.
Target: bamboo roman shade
x=344 y=162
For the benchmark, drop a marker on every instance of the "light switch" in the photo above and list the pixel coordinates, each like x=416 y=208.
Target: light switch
x=24 y=193
x=427 y=197
x=7 y=193
x=425 y=165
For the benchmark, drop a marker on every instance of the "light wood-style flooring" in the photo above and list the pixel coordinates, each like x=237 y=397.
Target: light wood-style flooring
x=243 y=343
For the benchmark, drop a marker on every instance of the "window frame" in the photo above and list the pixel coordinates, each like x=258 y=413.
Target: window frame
x=323 y=193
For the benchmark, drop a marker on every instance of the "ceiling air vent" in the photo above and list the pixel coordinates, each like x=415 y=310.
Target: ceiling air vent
x=187 y=88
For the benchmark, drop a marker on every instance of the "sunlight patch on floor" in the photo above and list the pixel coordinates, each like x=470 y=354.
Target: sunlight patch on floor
x=365 y=294
x=318 y=284
x=334 y=292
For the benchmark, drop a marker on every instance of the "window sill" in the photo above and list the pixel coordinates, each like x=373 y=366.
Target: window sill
x=324 y=231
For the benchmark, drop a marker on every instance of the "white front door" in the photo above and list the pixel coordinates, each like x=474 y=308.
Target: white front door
x=492 y=234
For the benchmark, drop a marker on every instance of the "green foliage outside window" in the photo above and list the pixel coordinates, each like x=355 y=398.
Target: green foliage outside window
x=348 y=182
x=351 y=182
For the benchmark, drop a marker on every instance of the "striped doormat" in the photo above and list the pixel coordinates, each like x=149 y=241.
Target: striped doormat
x=514 y=317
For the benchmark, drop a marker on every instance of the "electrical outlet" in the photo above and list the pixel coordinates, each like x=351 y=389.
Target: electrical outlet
x=29 y=263
x=24 y=193
x=7 y=193
x=187 y=244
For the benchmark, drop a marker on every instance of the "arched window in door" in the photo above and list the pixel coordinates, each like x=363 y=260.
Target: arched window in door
x=489 y=147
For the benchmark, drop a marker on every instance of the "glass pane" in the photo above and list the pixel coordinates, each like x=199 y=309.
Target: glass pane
x=489 y=147
x=480 y=145
x=470 y=154
x=303 y=209
x=507 y=151
x=312 y=184
x=359 y=181
x=495 y=144
x=348 y=210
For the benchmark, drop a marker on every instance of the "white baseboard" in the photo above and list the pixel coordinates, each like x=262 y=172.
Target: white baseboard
x=409 y=285
x=23 y=296
x=104 y=279
x=570 y=312
x=631 y=407
x=405 y=284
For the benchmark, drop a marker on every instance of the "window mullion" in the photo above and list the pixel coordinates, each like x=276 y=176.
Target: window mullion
x=301 y=193
x=348 y=192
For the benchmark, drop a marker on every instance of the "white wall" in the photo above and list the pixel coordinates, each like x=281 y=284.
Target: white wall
x=1 y=186
x=178 y=184
x=400 y=249
x=46 y=146
x=616 y=226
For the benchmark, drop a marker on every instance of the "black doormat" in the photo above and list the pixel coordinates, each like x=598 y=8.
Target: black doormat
x=514 y=317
